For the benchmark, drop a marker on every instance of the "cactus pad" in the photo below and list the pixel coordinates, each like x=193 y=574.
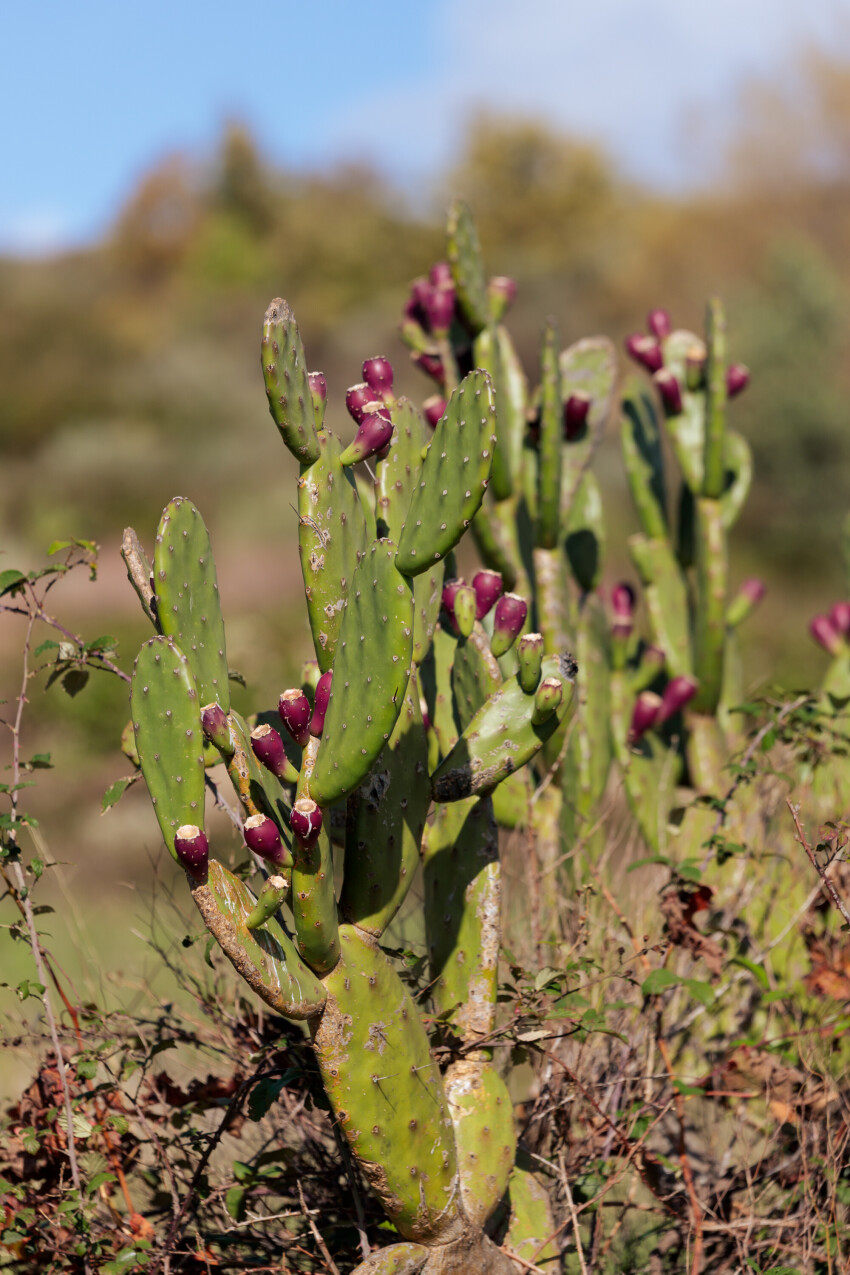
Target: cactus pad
x=483 y=1119
x=467 y=266
x=386 y=1092
x=187 y=600
x=264 y=957
x=385 y=821
x=169 y=739
x=453 y=478
x=371 y=669
x=331 y=541
x=287 y=384
x=501 y=738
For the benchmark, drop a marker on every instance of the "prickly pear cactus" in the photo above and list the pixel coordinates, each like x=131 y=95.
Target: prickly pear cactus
x=365 y=733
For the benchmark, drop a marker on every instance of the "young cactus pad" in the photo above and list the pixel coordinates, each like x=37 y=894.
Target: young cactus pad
x=501 y=738
x=169 y=739
x=187 y=600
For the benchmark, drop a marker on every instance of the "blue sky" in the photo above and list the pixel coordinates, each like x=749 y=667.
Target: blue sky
x=92 y=92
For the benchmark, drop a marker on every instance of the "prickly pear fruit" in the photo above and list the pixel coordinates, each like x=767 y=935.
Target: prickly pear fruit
x=373 y=435
x=295 y=713
x=262 y=836
x=489 y=587
x=270 y=899
x=547 y=697
x=306 y=822
x=320 y=703
x=529 y=659
x=508 y=619
x=267 y=747
x=378 y=375
x=193 y=850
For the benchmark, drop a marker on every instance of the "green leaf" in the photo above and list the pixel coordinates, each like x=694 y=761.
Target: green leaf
x=49 y=645
x=74 y=681
x=263 y=1095
x=103 y=643
x=702 y=992
x=757 y=971
x=87 y=1068
x=56 y=545
x=116 y=791
x=98 y=1181
x=10 y=581
x=689 y=870
x=689 y=1090
x=39 y=761
x=652 y=858
x=241 y=1171
x=657 y=981
x=36 y=867
x=234 y=1202
x=546 y=976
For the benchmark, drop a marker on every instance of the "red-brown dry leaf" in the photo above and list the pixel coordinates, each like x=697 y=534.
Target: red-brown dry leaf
x=679 y=907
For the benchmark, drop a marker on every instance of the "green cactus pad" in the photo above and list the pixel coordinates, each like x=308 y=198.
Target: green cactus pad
x=397 y=475
x=436 y=678
x=187 y=600
x=739 y=476
x=644 y=460
x=265 y=957
x=460 y=855
x=551 y=598
x=467 y=266
x=588 y=367
x=371 y=669
x=588 y=757
x=531 y=1225
x=475 y=676
x=487 y=355
x=551 y=436
x=384 y=823
x=314 y=903
x=584 y=534
x=396 y=479
x=453 y=477
x=500 y=738
x=666 y=600
x=398 y=1259
x=512 y=801
x=485 y=1135
x=169 y=739
x=386 y=1092
x=714 y=475
x=331 y=542
x=287 y=384
x=710 y=612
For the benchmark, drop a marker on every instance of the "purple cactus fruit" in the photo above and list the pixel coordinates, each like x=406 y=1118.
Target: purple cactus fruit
x=508 y=619
x=262 y=836
x=358 y=398
x=426 y=716
x=306 y=822
x=440 y=275
x=440 y=307
x=737 y=379
x=450 y=591
x=434 y=409
x=318 y=386
x=576 y=409
x=658 y=322
x=502 y=293
x=416 y=307
x=826 y=634
x=623 y=601
x=193 y=850
x=670 y=390
x=295 y=713
x=547 y=697
x=268 y=749
x=695 y=367
x=432 y=366
x=320 y=703
x=373 y=434
x=645 y=350
x=644 y=714
x=489 y=587
x=378 y=375
x=839 y=616
x=217 y=728
x=745 y=601
x=678 y=692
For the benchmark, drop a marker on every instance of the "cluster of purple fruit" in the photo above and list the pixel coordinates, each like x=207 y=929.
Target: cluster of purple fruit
x=832 y=631
x=647 y=349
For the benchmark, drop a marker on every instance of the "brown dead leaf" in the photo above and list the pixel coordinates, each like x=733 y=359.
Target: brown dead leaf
x=679 y=906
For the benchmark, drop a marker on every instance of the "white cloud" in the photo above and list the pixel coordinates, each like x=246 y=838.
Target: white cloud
x=33 y=232
x=631 y=73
